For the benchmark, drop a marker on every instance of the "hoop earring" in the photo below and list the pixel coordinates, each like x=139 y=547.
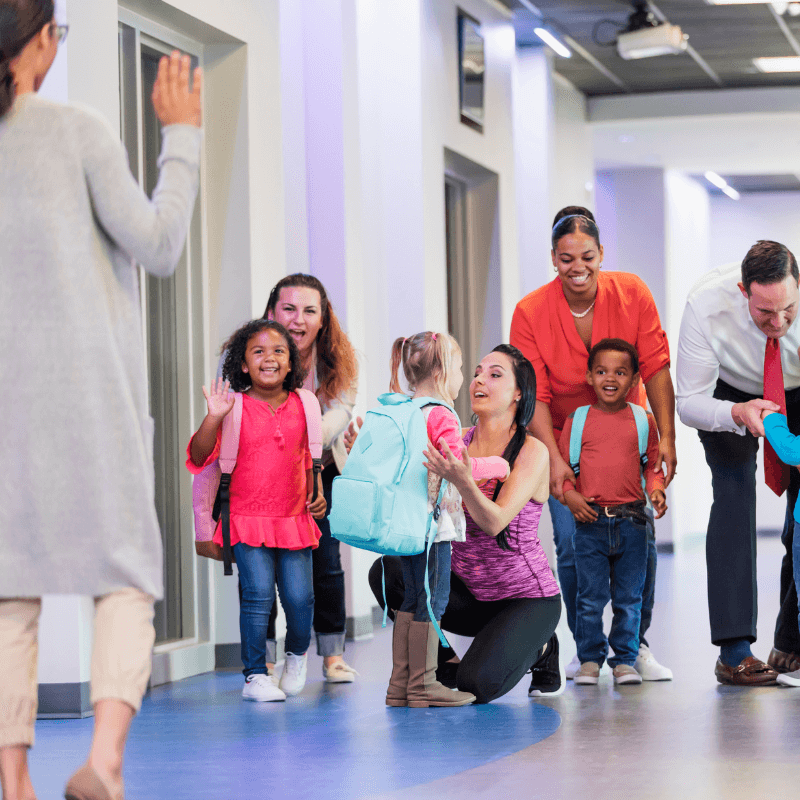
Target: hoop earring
x=555 y=268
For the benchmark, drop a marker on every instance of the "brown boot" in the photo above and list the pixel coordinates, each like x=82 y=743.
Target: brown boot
x=783 y=662
x=398 y=683
x=423 y=688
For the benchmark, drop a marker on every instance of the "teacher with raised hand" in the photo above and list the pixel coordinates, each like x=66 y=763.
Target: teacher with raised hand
x=555 y=327
x=77 y=514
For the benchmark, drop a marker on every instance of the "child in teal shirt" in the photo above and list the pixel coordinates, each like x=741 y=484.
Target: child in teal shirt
x=787 y=447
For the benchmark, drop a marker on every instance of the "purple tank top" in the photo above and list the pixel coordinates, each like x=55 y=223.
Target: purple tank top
x=494 y=574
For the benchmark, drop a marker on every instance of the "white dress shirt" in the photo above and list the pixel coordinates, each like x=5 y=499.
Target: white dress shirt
x=719 y=339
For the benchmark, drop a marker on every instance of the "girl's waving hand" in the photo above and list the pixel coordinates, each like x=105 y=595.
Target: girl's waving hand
x=219 y=399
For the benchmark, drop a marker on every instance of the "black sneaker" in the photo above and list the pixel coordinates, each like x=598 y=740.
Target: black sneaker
x=446 y=674
x=547 y=679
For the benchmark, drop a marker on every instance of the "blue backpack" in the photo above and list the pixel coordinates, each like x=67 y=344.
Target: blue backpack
x=380 y=501
x=576 y=439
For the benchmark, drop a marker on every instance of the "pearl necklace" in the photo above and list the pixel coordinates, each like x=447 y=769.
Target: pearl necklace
x=583 y=313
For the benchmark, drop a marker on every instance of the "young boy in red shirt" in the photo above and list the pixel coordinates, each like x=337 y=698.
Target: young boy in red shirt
x=609 y=508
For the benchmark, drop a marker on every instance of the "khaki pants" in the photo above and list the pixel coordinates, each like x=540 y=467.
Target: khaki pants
x=123 y=643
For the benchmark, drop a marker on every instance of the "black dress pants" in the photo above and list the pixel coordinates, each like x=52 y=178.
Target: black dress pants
x=731 y=538
x=508 y=634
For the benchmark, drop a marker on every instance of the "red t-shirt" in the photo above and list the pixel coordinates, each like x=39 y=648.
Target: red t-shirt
x=610 y=469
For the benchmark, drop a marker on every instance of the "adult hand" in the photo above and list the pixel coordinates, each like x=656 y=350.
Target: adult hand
x=351 y=434
x=219 y=399
x=659 y=501
x=749 y=414
x=668 y=458
x=174 y=104
x=559 y=472
x=446 y=465
x=579 y=506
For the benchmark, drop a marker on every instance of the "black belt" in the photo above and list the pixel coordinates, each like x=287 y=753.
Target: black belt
x=633 y=511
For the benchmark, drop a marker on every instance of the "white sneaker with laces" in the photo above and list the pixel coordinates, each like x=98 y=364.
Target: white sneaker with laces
x=293 y=678
x=572 y=668
x=262 y=689
x=338 y=672
x=647 y=666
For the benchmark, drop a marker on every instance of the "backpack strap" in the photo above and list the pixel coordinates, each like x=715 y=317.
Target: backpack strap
x=576 y=438
x=228 y=450
x=643 y=434
x=313 y=414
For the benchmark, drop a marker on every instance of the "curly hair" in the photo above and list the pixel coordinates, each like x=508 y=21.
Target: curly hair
x=237 y=347
x=337 y=365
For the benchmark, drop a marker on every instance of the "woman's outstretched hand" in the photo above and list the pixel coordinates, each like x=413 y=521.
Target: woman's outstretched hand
x=173 y=102
x=446 y=465
x=219 y=399
x=351 y=434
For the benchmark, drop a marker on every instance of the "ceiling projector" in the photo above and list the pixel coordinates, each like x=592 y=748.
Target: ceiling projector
x=646 y=37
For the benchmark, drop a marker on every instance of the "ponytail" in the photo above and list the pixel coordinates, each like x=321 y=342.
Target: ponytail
x=397 y=357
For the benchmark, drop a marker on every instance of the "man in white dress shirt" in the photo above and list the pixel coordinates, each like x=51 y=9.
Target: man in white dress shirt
x=739 y=319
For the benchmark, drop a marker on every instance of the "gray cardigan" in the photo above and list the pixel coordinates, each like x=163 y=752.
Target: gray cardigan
x=77 y=512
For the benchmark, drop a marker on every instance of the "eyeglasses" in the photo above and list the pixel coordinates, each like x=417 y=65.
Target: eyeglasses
x=59 y=31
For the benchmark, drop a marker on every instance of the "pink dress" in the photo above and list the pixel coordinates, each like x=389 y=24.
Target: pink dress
x=268 y=483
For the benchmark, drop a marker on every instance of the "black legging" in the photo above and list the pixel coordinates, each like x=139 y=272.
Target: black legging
x=508 y=634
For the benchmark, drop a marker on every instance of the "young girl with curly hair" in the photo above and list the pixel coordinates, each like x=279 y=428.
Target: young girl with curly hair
x=271 y=525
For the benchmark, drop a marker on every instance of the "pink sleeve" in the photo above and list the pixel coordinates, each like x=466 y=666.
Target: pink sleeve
x=191 y=466
x=443 y=425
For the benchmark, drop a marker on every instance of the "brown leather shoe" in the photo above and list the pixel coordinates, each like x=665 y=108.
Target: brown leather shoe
x=751 y=672
x=783 y=662
x=85 y=784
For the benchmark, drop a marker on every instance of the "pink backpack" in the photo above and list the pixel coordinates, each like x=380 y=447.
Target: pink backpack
x=211 y=487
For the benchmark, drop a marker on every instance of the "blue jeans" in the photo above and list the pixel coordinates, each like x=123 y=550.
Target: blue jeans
x=259 y=569
x=563 y=535
x=438 y=566
x=610 y=563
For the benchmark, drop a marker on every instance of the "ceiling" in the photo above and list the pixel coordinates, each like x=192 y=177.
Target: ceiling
x=723 y=41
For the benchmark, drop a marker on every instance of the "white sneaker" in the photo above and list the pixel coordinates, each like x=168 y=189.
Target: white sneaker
x=293 y=678
x=624 y=673
x=338 y=672
x=572 y=668
x=647 y=666
x=789 y=678
x=262 y=689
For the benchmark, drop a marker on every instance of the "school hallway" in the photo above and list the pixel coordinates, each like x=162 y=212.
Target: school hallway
x=690 y=738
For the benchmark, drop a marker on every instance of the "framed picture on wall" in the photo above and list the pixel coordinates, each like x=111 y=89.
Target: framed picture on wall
x=471 y=69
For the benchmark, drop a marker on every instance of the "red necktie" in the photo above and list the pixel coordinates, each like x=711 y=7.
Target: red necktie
x=776 y=473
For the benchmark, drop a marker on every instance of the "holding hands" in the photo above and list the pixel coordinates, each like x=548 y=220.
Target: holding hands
x=579 y=505
x=219 y=399
x=659 y=501
x=751 y=414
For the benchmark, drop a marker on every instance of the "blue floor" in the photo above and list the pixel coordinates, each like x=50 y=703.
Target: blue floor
x=197 y=739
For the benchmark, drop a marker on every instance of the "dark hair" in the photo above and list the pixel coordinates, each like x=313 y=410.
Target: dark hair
x=768 y=262
x=20 y=21
x=578 y=219
x=237 y=347
x=572 y=211
x=337 y=365
x=525 y=378
x=617 y=346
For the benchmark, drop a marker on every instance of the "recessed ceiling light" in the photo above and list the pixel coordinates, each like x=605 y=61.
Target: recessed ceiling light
x=746 y=2
x=782 y=64
x=722 y=184
x=552 y=42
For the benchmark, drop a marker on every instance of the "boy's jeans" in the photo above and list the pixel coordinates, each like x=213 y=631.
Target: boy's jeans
x=610 y=561
x=415 y=599
x=563 y=535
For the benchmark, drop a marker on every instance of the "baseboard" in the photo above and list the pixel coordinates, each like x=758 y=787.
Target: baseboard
x=64 y=701
x=665 y=547
x=229 y=656
x=358 y=628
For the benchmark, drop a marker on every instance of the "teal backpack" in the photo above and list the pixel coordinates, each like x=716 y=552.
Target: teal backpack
x=576 y=439
x=380 y=501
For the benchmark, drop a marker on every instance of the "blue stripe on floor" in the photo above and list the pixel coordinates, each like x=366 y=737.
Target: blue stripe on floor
x=197 y=739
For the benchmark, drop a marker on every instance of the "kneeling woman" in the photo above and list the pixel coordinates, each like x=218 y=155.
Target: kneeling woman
x=502 y=590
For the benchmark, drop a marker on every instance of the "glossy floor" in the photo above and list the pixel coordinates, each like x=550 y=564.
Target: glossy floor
x=689 y=738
